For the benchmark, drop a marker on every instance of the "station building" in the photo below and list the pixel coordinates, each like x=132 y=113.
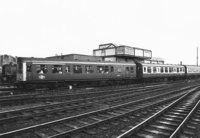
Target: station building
x=123 y=53
x=115 y=53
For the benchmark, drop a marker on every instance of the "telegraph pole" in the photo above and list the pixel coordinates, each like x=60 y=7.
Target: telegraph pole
x=197 y=56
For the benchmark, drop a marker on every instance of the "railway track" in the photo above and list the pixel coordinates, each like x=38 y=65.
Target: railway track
x=20 y=92
x=53 y=96
x=77 y=123
x=101 y=101
x=179 y=119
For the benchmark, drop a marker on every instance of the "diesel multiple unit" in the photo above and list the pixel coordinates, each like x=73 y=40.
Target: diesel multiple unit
x=48 y=72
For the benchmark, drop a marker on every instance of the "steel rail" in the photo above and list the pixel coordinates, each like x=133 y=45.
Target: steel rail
x=175 y=133
x=114 y=97
x=137 y=127
x=70 y=118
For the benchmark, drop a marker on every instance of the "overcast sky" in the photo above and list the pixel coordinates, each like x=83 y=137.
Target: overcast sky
x=41 y=28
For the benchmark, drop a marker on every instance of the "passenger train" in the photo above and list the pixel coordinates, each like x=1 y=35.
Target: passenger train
x=44 y=72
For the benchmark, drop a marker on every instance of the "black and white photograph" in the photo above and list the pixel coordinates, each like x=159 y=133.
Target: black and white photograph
x=99 y=69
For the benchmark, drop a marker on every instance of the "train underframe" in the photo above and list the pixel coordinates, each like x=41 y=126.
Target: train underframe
x=92 y=83
x=70 y=84
x=8 y=78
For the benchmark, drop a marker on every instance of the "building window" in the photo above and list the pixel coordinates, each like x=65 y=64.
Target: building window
x=89 y=69
x=57 y=69
x=41 y=69
x=103 y=52
x=77 y=69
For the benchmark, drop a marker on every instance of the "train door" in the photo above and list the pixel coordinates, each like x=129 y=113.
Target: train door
x=127 y=72
x=112 y=72
x=132 y=73
x=139 y=71
x=29 y=75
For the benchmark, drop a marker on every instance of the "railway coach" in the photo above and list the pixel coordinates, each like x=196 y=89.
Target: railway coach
x=48 y=72
x=45 y=72
x=192 y=71
x=156 y=72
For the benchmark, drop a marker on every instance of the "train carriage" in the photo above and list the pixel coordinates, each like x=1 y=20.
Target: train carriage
x=192 y=71
x=151 y=72
x=48 y=71
x=59 y=72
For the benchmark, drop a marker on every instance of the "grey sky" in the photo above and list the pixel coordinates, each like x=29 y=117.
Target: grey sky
x=40 y=28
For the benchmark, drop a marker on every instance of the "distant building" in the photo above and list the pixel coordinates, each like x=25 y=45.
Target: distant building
x=114 y=53
x=76 y=57
x=155 y=60
x=122 y=53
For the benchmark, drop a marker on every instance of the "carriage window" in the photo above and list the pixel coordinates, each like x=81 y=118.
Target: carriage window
x=154 y=69
x=158 y=69
x=149 y=69
x=67 y=69
x=166 y=69
x=132 y=70
x=106 y=69
x=111 y=69
x=170 y=69
x=100 y=69
x=161 y=70
x=127 y=69
x=89 y=69
x=145 y=69
x=183 y=69
x=28 y=68
x=41 y=69
x=77 y=69
x=57 y=69
x=174 y=69
x=177 y=69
